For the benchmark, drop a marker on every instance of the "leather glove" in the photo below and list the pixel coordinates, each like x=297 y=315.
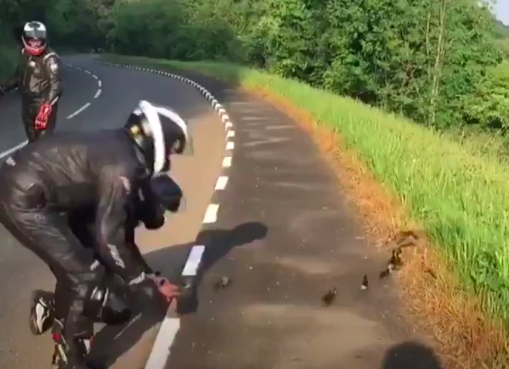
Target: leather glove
x=168 y=290
x=42 y=117
x=153 y=286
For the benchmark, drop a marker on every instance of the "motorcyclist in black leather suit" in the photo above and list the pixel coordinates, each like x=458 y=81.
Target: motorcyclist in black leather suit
x=37 y=78
x=42 y=185
x=148 y=211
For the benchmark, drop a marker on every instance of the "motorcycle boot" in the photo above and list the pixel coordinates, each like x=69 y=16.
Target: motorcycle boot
x=41 y=312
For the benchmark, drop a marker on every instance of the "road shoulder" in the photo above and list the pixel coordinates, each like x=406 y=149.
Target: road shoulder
x=272 y=314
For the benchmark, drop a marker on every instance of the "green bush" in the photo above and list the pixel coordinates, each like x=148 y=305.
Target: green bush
x=9 y=53
x=429 y=60
x=488 y=106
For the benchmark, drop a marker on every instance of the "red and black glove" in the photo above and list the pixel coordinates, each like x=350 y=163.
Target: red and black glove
x=42 y=117
x=168 y=290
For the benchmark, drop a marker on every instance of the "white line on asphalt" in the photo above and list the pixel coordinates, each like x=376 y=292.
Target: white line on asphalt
x=12 y=149
x=79 y=111
x=221 y=183
x=97 y=93
x=162 y=346
x=170 y=326
x=211 y=214
x=193 y=261
x=227 y=162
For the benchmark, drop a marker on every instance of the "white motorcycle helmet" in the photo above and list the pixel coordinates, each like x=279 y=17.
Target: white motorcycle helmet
x=159 y=132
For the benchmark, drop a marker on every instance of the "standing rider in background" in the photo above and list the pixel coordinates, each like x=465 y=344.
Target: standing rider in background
x=37 y=78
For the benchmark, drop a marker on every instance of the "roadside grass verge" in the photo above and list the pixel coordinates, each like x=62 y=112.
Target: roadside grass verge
x=458 y=195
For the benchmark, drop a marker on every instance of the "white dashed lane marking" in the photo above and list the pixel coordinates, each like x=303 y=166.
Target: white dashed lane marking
x=221 y=183
x=227 y=162
x=170 y=325
x=211 y=214
x=97 y=93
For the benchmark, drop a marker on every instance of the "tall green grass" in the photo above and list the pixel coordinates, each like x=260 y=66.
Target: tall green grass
x=460 y=195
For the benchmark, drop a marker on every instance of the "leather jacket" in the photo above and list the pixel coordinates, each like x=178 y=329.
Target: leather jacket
x=37 y=78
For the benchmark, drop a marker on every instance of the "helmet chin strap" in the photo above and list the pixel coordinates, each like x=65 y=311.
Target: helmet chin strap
x=157 y=134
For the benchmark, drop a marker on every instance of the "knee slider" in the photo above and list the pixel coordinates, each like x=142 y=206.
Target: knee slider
x=100 y=303
x=114 y=310
x=107 y=307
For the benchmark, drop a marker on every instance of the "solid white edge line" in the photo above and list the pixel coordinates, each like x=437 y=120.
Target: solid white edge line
x=221 y=183
x=12 y=149
x=211 y=214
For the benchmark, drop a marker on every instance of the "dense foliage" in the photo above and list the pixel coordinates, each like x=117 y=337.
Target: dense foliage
x=436 y=61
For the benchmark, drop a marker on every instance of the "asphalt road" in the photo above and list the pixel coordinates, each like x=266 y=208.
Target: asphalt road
x=98 y=96
x=284 y=237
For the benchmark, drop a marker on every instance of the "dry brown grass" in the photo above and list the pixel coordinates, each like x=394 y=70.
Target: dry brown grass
x=462 y=334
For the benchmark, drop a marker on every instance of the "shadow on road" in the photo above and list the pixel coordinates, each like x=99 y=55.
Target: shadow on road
x=219 y=244
x=410 y=355
x=112 y=342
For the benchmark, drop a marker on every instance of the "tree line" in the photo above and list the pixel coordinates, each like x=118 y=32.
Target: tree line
x=438 y=62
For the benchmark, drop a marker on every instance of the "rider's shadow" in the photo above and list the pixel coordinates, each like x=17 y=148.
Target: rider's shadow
x=112 y=342
x=411 y=354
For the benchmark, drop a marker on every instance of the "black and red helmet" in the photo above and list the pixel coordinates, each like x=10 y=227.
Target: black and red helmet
x=34 y=37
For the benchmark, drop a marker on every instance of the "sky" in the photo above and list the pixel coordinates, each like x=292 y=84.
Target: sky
x=502 y=11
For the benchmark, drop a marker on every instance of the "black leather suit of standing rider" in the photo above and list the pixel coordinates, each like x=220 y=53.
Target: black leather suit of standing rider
x=37 y=77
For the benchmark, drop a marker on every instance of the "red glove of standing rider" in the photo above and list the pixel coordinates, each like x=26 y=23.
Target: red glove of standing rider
x=42 y=117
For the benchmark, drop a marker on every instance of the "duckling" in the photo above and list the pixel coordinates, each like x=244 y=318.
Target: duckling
x=329 y=297
x=364 y=285
x=222 y=283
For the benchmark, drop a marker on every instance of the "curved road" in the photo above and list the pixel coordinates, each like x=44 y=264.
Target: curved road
x=120 y=90
x=297 y=239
